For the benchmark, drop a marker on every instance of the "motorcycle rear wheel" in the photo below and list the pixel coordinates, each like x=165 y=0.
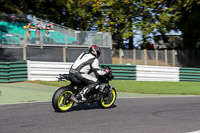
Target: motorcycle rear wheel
x=61 y=101
x=108 y=100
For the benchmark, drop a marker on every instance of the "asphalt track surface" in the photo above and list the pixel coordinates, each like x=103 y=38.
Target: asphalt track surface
x=129 y=115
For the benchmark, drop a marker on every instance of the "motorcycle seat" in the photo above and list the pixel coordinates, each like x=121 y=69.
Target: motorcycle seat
x=71 y=78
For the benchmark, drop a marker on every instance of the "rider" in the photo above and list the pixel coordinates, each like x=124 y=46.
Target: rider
x=81 y=68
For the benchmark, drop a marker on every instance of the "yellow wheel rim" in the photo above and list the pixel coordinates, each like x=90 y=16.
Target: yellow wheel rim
x=105 y=104
x=62 y=103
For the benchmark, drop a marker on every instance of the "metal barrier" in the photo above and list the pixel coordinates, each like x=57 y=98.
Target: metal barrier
x=123 y=72
x=189 y=74
x=157 y=73
x=48 y=71
x=13 y=71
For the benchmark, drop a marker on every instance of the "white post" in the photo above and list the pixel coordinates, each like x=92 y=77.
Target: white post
x=166 y=61
x=173 y=56
x=64 y=54
x=120 y=56
x=134 y=57
x=145 y=57
x=24 y=52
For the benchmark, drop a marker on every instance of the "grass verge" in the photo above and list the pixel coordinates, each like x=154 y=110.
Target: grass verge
x=145 y=87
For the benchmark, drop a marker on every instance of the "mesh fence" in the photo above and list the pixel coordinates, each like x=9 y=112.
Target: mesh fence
x=15 y=32
x=157 y=57
x=161 y=57
x=60 y=35
x=189 y=58
x=151 y=57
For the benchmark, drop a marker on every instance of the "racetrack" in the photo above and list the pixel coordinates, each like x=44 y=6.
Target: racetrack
x=130 y=115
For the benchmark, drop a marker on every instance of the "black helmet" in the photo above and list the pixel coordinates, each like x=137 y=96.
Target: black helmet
x=95 y=50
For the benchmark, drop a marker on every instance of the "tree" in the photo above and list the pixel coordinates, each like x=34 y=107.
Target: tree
x=120 y=17
x=187 y=20
x=119 y=14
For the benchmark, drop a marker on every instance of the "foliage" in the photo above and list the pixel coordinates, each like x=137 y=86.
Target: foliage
x=120 y=17
x=187 y=19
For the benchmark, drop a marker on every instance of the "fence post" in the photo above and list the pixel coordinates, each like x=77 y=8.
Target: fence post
x=156 y=52
x=134 y=57
x=166 y=61
x=173 y=57
x=24 y=52
x=64 y=54
x=145 y=57
x=120 y=56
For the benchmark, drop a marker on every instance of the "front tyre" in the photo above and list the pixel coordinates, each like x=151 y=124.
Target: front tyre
x=108 y=99
x=61 y=99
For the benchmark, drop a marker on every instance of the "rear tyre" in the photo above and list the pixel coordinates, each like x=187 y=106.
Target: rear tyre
x=108 y=99
x=61 y=101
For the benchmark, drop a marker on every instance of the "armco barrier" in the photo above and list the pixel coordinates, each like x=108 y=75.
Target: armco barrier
x=13 y=71
x=157 y=73
x=123 y=72
x=48 y=71
x=189 y=74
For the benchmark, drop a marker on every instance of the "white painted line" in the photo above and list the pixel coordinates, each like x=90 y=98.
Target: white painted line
x=195 y=131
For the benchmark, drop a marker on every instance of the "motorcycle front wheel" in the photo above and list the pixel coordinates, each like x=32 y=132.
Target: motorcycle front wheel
x=108 y=99
x=61 y=101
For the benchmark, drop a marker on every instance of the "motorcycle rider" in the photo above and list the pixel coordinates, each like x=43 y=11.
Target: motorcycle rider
x=82 y=67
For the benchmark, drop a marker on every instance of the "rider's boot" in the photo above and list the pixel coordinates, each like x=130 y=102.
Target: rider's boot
x=83 y=93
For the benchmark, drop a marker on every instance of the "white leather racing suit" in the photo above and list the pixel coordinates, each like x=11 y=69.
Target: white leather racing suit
x=82 y=66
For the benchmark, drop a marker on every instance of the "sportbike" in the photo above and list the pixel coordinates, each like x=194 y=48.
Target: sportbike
x=103 y=94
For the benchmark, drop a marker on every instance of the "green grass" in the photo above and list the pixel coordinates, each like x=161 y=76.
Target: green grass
x=146 y=87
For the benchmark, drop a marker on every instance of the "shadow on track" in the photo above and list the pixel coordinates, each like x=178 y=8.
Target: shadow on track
x=88 y=107
x=79 y=107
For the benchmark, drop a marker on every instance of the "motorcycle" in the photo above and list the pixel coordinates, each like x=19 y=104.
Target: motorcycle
x=103 y=94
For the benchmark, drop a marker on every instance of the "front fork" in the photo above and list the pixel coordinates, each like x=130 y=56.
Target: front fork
x=106 y=89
